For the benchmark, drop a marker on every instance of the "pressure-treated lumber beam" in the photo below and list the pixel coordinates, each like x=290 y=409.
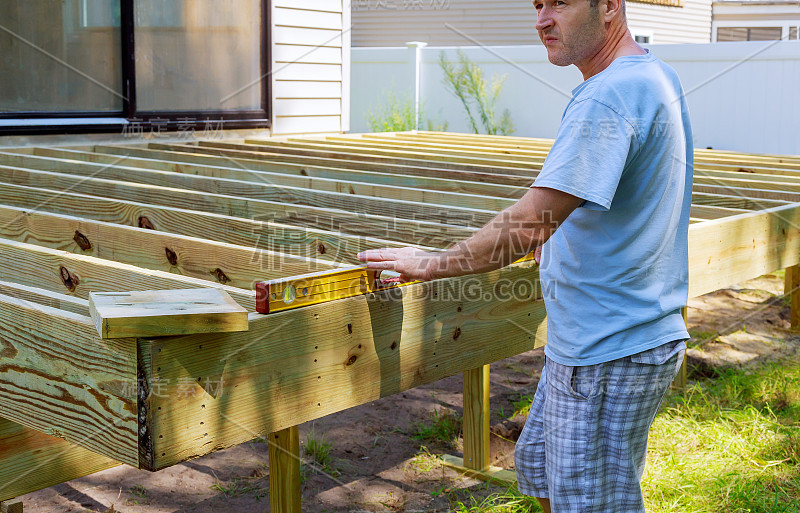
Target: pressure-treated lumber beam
x=284 y=471
x=749 y=181
x=476 y=418
x=302 y=364
x=237 y=266
x=13 y=506
x=722 y=176
x=270 y=151
x=747 y=192
x=372 y=154
x=31 y=460
x=791 y=289
x=501 y=175
x=45 y=297
x=392 y=186
x=382 y=200
x=57 y=377
x=420 y=150
x=232 y=189
x=740 y=162
x=537 y=154
x=747 y=203
x=682 y=377
x=258 y=234
x=491 y=474
x=727 y=251
x=56 y=270
x=529 y=147
x=432 y=145
x=415 y=232
x=252 y=157
x=711 y=212
x=702 y=156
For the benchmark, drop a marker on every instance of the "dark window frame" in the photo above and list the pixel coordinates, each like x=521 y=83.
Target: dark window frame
x=150 y=121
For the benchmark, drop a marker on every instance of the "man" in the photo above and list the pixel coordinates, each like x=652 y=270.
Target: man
x=608 y=216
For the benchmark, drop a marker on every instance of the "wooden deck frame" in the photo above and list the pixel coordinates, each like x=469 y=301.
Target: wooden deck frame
x=198 y=393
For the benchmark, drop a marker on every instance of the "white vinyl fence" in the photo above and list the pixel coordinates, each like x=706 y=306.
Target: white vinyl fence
x=742 y=96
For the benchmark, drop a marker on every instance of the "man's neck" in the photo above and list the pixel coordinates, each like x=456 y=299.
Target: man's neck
x=618 y=43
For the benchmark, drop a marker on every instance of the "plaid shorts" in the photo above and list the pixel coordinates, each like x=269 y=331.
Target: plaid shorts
x=585 y=440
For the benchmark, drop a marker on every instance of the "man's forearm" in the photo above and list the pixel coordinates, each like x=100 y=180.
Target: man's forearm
x=507 y=238
x=514 y=233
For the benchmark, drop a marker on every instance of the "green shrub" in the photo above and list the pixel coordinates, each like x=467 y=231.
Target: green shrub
x=466 y=81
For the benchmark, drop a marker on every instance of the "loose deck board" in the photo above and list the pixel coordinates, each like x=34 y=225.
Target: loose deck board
x=158 y=313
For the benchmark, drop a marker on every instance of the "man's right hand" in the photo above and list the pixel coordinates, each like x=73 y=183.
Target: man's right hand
x=412 y=264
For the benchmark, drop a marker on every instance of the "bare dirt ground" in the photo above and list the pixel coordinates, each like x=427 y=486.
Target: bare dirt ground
x=375 y=463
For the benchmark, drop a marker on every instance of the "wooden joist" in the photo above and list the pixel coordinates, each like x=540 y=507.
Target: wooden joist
x=77 y=275
x=32 y=460
x=727 y=251
x=413 y=231
x=403 y=202
x=57 y=378
x=291 y=174
x=259 y=234
x=234 y=265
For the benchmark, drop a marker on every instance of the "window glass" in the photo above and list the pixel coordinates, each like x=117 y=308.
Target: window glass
x=732 y=34
x=765 y=33
x=60 y=56
x=198 y=55
x=748 y=33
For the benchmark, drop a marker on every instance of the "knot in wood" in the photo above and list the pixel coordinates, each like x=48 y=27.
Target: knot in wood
x=456 y=333
x=70 y=280
x=172 y=257
x=351 y=360
x=81 y=240
x=146 y=223
x=321 y=249
x=220 y=275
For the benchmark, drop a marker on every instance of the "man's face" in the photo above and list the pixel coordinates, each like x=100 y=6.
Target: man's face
x=571 y=30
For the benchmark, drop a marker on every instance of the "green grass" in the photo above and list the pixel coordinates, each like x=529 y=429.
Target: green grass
x=318 y=450
x=702 y=336
x=522 y=406
x=241 y=486
x=508 y=501
x=444 y=427
x=424 y=461
x=139 y=491
x=729 y=444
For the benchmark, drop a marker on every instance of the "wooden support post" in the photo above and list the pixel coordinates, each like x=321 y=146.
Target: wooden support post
x=11 y=506
x=791 y=288
x=476 y=418
x=680 y=380
x=284 y=471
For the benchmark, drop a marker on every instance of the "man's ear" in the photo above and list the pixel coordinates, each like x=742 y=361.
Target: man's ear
x=610 y=9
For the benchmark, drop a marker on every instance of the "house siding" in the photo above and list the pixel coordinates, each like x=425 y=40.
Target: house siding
x=310 y=66
x=378 y=23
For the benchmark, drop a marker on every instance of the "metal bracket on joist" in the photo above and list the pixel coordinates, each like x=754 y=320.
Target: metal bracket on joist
x=283 y=294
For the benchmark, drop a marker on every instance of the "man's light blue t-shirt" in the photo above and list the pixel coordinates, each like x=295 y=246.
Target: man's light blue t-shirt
x=615 y=273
